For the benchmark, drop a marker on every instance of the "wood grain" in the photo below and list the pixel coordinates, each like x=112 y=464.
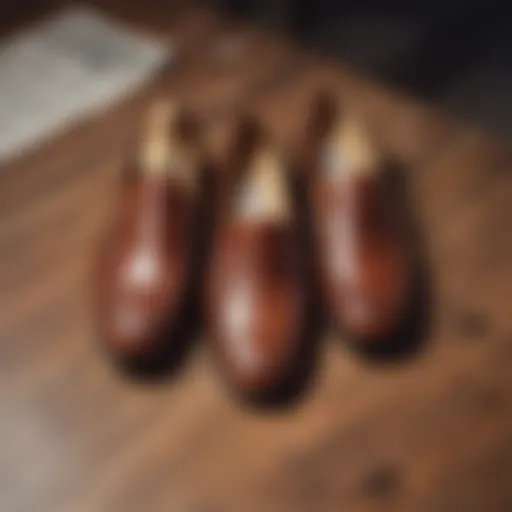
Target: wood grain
x=425 y=434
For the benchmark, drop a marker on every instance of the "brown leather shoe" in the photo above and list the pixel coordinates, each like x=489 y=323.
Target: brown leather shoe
x=148 y=264
x=256 y=297
x=364 y=261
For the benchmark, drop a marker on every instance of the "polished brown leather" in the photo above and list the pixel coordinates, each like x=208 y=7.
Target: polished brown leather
x=363 y=259
x=145 y=268
x=256 y=298
x=364 y=269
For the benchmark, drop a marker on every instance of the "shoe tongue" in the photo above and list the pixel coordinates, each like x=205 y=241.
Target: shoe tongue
x=162 y=154
x=154 y=149
x=263 y=194
x=349 y=151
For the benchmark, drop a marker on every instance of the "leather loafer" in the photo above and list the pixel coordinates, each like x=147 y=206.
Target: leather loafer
x=257 y=297
x=364 y=264
x=148 y=264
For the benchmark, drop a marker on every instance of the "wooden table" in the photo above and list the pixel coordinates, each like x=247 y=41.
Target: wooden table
x=430 y=433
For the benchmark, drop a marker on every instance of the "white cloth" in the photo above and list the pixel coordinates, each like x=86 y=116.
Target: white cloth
x=65 y=68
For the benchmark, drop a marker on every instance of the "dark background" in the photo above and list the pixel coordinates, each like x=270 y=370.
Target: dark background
x=456 y=53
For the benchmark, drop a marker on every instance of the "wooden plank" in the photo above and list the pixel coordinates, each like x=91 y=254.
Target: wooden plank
x=430 y=433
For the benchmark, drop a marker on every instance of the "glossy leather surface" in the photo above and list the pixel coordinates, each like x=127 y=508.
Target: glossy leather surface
x=363 y=259
x=147 y=266
x=144 y=269
x=256 y=298
x=256 y=305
